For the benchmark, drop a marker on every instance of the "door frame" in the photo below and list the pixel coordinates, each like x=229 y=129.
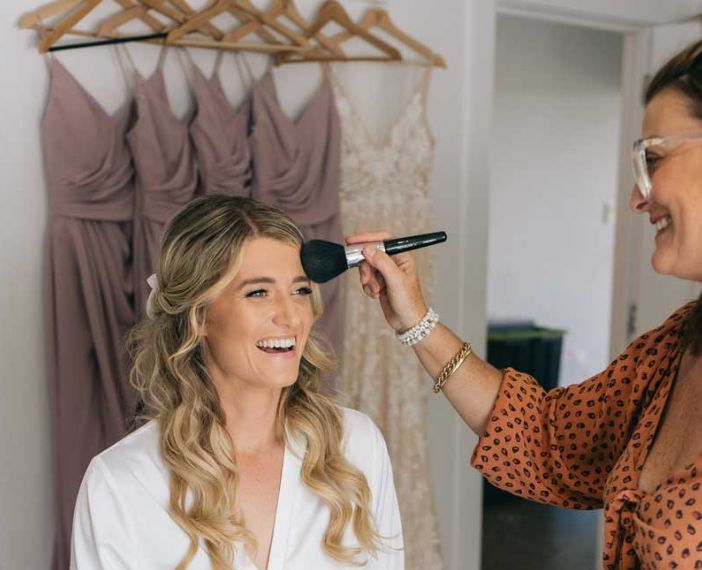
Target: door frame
x=628 y=238
x=636 y=35
x=635 y=64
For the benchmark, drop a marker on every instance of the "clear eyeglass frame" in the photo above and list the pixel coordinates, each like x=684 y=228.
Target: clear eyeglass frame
x=640 y=164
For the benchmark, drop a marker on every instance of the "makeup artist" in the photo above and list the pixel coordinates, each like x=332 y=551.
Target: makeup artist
x=629 y=439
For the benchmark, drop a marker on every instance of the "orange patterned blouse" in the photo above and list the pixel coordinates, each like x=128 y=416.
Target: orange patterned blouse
x=583 y=447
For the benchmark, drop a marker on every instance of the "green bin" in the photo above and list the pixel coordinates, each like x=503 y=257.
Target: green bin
x=527 y=348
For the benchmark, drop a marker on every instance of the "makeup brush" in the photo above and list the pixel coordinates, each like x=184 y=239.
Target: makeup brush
x=324 y=260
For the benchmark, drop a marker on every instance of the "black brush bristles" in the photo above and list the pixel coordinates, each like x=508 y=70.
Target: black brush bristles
x=323 y=260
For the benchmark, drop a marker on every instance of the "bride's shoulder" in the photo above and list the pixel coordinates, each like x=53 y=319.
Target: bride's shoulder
x=363 y=440
x=137 y=452
x=356 y=422
x=138 y=443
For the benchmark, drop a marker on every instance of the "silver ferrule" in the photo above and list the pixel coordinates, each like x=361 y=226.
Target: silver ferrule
x=354 y=253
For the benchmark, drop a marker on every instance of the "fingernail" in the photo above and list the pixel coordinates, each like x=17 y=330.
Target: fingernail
x=369 y=251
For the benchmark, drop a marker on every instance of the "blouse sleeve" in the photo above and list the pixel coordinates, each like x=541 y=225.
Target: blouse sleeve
x=101 y=538
x=559 y=447
x=386 y=512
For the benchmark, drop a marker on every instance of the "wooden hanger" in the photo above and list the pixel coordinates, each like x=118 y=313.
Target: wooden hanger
x=191 y=15
x=108 y=27
x=177 y=11
x=36 y=17
x=379 y=18
x=253 y=25
x=185 y=20
x=287 y=9
x=181 y=14
x=332 y=11
x=245 y=12
x=177 y=14
x=74 y=11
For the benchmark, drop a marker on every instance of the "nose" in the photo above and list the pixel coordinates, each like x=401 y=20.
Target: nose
x=637 y=203
x=286 y=313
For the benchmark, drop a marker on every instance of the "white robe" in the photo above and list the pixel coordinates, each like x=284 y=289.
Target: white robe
x=121 y=517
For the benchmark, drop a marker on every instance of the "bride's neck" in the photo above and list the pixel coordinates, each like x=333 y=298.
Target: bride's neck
x=252 y=417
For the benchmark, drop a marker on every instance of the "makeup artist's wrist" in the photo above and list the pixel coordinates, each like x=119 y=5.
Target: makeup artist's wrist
x=412 y=318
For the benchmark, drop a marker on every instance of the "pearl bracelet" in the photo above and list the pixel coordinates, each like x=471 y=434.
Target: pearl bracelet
x=420 y=331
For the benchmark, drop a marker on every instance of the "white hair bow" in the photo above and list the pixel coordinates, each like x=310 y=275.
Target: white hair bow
x=153 y=283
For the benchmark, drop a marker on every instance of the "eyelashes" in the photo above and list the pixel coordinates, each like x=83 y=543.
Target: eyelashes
x=256 y=293
x=259 y=293
x=652 y=161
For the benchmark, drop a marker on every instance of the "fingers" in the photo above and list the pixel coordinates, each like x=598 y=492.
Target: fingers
x=374 y=275
x=365 y=273
x=404 y=261
x=368 y=279
x=381 y=285
x=368 y=236
x=371 y=280
x=384 y=265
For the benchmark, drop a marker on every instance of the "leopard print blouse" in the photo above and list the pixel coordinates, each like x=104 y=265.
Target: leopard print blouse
x=583 y=447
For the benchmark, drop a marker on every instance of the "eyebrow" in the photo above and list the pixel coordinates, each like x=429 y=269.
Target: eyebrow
x=271 y=281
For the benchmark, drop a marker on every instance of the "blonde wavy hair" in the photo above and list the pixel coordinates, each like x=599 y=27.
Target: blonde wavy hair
x=200 y=255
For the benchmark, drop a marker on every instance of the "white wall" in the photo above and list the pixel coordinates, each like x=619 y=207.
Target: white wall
x=621 y=14
x=25 y=490
x=554 y=178
x=460 y=108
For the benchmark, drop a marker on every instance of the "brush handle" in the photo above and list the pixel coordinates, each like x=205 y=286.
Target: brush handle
x=399 y=245
x=354 y=253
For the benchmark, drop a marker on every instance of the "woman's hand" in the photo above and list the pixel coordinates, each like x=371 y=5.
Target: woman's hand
x=392 y=280
x=473 y=388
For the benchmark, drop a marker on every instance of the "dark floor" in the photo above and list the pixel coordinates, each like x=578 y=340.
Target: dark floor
x=521 y=535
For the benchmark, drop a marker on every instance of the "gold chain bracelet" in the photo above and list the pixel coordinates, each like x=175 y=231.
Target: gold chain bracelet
x=453 y=365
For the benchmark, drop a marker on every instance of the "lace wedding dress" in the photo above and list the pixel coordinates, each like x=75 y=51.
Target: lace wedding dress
x=384 y=186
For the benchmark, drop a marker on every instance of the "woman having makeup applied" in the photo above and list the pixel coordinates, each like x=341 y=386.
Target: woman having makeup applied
x=628 y=440
x=240 y=462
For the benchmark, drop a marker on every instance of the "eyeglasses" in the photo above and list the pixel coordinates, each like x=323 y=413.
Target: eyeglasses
x=645 y=160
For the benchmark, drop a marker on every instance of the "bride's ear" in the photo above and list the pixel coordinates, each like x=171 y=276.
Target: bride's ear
x=202 y=323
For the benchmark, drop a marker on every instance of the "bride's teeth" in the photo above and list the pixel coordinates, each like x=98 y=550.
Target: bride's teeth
x=276 y=343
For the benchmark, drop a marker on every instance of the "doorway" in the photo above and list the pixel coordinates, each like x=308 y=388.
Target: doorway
x=554 y=183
